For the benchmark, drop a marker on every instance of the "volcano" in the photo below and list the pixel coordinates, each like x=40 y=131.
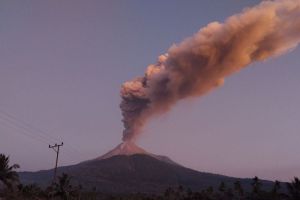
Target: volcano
x=125 y=148
x=129 y=148
x=129 y=169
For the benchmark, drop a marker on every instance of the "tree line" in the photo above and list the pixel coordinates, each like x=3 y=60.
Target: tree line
x=12 y=189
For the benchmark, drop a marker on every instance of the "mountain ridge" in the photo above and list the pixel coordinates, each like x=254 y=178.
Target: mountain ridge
x=134 y=173
x=129 y=148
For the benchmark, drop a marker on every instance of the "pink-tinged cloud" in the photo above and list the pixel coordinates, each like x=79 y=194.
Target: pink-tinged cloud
x=200 y=63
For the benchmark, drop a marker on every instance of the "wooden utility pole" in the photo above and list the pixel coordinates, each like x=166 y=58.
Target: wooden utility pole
x=56 y=149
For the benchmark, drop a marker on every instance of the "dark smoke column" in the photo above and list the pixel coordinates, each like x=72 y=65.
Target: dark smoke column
x=201 y=62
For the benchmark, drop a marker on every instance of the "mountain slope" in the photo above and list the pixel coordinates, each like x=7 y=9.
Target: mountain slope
x=129 y=148
x=125 y=148
x=133 y=173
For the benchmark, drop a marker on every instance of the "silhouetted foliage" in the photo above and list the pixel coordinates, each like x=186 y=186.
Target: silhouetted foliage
x=63 y=189
x=31 y=192
x=7 y=174
x=294 y=189
x=9 y=178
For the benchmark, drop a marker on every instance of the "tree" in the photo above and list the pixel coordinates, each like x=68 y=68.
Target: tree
x=222 y=187
x=238 y=189
x=275 y=192
x=64 y=189
x=32 y=192
x=8 y=175
x=256 y=188
x=294 y=189
x=256 y=185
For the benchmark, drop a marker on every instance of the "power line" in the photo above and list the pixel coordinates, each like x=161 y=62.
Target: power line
x=40 y=132
x=24 y=132
x=32 y=136
x=35 y=133
x=28 y=126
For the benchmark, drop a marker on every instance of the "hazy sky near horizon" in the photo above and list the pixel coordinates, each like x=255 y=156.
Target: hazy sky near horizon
x=62 y=64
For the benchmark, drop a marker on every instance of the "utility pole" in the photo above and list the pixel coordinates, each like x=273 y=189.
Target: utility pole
x=56 y=149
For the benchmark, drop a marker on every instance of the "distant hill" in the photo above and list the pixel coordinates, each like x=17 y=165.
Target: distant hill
x=128 y=172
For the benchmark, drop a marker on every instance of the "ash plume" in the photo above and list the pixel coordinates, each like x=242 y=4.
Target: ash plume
x=200 y=63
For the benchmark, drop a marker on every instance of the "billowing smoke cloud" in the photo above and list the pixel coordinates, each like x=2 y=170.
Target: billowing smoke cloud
x=200 y=63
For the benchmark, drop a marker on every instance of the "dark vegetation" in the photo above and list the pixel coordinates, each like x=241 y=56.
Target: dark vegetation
x=12 y=189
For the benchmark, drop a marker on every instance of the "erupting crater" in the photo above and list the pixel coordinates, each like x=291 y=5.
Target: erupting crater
x=129 y=148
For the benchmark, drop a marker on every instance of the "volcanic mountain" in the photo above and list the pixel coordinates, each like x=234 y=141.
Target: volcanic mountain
x=129 y=148
x=129 y=168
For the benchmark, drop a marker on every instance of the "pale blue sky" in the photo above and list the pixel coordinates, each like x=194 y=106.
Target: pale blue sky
x=62 y=64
